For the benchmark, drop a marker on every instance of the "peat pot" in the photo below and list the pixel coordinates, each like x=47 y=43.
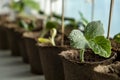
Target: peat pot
x=32 y=51
x=51 y=62
x=94 y=67
x=3 y=38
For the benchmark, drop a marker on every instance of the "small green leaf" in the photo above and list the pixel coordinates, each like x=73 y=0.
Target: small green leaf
x=117 y=38
x=93 y=29
x=84 y=20
x=32 y=4
x=23 y=24
x=51 y=24
x=77 y=39
x=101 y=46
x=43 y=40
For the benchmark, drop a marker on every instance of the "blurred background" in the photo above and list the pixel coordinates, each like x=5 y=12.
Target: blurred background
x=73 y=7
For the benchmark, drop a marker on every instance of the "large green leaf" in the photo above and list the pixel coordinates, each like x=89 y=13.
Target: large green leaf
x=117 y=38
x=93 y=29
x=77 y=39
x=101 y=46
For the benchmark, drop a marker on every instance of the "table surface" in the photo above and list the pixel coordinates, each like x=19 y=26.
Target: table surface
x=12 y=68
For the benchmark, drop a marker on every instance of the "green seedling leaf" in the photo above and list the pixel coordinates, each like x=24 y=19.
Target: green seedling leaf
x=84 y=20
x=101 y=46
x=117 y=38
x=23 y=24
x=51 y=40
x=17 y=6
x=51 y=24
x=93 y=29
x=77 y=39
x=32 y=4
x=43 y=40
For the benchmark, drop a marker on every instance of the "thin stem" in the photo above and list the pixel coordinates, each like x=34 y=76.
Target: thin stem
x=93 y=9
x=110 y=17
x=62 y=41
x=82 y=55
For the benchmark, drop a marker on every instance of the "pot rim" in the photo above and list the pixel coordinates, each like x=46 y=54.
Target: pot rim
x=97 y=62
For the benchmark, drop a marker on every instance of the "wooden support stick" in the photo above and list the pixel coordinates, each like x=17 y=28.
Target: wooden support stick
x=110 y=17
x=50 y=9
x=62 y=41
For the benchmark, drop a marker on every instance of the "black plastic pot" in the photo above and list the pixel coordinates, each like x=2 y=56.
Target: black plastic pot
x=51 y=62
x=75 y=70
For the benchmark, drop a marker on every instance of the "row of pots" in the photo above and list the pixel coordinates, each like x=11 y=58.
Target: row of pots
x=46 y=59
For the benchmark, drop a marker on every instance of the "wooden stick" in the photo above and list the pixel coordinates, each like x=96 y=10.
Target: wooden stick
x=93 y=9
x=62 y=41
x=50 y=9
x=110 y=17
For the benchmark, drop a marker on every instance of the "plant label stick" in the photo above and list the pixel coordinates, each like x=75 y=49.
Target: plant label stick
x=62 y=41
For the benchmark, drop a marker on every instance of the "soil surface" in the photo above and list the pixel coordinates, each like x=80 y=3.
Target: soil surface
x=89 y=56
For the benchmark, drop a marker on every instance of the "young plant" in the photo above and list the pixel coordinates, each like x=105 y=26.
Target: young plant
x=91 y=38
x=27 y=26
x=51 y=40
x=117 y=38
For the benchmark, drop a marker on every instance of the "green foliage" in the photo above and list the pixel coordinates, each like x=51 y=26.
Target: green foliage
x=101 y=46
x=84 y=20
x=32 y=4
x=92 y=38
x=26 y=26
x=117 y=38
x=51 y=24
x=93 y=29
x=77 y=39
x=51 y=40
x=20 y=5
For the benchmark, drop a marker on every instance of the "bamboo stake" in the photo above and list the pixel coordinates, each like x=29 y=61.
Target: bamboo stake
x=93 y=9
x=50 y=9
x=110 y=17
x=62 y=41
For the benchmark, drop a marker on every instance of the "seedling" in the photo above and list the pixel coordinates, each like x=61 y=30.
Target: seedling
x=51 y=40
x=27 y=26
x=91 y=38
x=117 y=38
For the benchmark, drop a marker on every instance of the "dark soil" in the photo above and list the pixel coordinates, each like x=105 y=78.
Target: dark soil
x=74 y=55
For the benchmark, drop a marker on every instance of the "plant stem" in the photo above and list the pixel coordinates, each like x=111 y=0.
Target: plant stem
x=62 y=41
x=82 y=55
x=110 y=17
x=93 y=8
